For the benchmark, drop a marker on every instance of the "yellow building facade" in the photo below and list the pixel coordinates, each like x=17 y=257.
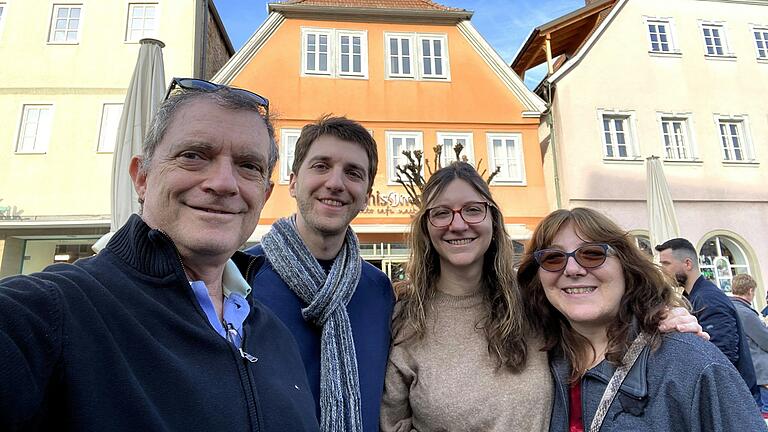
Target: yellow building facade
x=416 y=75
x=66 y=67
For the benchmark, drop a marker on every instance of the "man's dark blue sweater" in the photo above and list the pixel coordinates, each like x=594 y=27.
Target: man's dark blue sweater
x=117 y=342
x=370 y=313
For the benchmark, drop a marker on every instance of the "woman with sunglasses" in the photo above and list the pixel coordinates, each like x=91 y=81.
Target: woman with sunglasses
x=599 y=302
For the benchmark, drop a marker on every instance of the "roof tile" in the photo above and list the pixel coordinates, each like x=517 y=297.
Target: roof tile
x=375 y=4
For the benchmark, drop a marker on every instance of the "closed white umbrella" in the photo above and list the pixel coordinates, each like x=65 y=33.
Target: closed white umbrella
x=145 y=94
x=662 y=221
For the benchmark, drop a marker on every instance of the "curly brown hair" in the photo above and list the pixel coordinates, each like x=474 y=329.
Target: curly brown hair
x=648 y=292
x=505 y=326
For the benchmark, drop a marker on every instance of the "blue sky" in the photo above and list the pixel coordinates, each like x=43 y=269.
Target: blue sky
x=505 y=24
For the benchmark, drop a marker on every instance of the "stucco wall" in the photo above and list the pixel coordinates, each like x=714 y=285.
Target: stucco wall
x=618 y=73
x=72 y=178
x=474 y=100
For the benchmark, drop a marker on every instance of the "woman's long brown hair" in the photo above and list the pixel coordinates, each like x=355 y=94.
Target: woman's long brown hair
x=505 y=325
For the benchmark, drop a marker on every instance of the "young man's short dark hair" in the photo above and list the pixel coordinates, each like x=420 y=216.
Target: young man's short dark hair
x=343 y=129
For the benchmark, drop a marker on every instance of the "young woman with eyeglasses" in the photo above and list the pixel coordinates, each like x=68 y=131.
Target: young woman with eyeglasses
x=459 y=359
x=599 y=302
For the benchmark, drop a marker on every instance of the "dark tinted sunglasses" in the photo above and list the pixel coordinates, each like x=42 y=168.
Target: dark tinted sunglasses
x=207 y=86
x=588 y=256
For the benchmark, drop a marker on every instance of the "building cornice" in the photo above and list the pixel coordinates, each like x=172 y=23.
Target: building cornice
x=532 y=104
x=242 y=57
x=424 y=16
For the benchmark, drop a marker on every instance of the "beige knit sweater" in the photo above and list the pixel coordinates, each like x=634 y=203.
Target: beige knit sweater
x=449 y=382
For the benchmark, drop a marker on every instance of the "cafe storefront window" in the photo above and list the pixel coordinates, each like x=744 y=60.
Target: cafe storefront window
x=40 y=253
x=720 y=259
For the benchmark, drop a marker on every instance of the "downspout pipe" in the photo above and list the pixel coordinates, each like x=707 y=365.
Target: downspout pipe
x=550 y=119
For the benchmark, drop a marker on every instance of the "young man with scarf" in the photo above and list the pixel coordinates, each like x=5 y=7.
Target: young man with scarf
x=337 y=306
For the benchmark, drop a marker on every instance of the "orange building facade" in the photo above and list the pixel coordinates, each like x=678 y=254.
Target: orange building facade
x=417 y=75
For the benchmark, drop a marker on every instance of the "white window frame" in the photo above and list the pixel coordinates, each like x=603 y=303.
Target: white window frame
x=334 y=53
x=409 y=37
x=3 y=14
x=317 y=32
x=444 y=63
x=54 y=18
x=468 y=150
x=669 y=24
x=519 y=155
x=363 y=35
x=747 y=148
x=154 y=33
x=393 y=159
x=761 y=29
x=287 y=152
x=689 y=143
x=630 y=133
x=417 y=56
x=107 y=131
x=723 y=30
x=42 y=140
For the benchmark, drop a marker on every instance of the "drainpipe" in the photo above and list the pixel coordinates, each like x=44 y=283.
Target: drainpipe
x=550 y=119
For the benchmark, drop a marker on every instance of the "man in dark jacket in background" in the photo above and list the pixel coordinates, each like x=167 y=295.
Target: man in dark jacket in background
x=158 y=331
x=711 y=306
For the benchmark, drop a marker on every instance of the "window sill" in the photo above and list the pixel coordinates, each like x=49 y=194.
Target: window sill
x=631 y=161
x=503 y=182
x=673 y=54
x=317 y=74
x=749 y=163
x=63 y=43
x=725 y=57
x=690 y=162
x=429 y=79
x=31 y=152
x=763 y=60
x=353 y=77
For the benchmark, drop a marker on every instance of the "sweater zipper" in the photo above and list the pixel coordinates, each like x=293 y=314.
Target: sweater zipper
x=244 y=357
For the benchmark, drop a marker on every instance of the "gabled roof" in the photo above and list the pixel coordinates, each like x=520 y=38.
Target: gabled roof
x=426 y=11
x=533 y=106
x=220 y=25
x=376 y=4
x=566 y=35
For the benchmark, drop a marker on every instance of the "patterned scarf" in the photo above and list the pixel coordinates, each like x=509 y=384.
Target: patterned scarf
x=326 y=297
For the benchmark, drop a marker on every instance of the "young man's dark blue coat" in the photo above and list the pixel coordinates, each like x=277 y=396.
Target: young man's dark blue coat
x=370 y=314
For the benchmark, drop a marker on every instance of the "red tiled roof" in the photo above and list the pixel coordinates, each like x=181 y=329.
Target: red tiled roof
x=375 y=4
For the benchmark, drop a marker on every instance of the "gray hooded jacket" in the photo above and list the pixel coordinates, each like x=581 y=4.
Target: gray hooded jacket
x=687 y=384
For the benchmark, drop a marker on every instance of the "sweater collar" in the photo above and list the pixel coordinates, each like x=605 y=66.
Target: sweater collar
x=152 y=252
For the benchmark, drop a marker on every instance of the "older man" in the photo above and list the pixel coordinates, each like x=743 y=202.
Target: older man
x=743 y=287
x=157 y=332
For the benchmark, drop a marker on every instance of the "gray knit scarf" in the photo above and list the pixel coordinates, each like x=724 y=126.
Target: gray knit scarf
x=326 y=297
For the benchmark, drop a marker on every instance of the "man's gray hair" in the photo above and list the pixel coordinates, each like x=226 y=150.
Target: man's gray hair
x=222 y=97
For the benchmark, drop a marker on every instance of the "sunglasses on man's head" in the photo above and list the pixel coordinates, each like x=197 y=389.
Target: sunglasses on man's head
x=588 y=256
x=195 y=84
